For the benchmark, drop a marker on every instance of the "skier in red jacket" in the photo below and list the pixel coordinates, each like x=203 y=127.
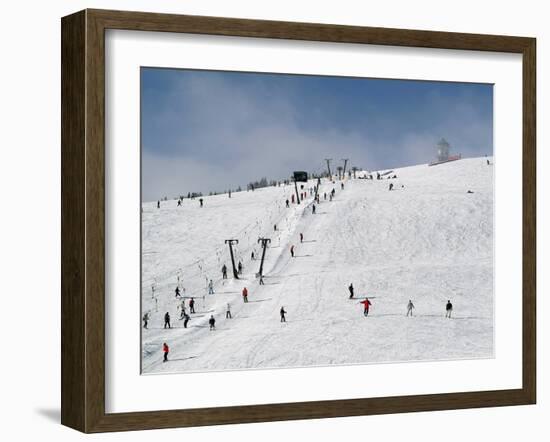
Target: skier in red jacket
x=366 y=304
x=245 y=294
x=166 y=350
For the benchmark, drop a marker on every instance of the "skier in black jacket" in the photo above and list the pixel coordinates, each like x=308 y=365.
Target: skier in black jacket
x=448 y=309
x=212 y=323
x=283 y=313
x=145 y=320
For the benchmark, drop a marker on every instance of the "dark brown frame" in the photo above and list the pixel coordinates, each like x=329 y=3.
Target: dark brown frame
x=83 y=220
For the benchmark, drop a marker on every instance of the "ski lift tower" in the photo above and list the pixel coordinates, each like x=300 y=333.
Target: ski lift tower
x=443 y=148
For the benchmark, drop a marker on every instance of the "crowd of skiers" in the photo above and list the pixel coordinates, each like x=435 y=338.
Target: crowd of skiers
x=210 y=285
x=366 y=302
x=302 y=195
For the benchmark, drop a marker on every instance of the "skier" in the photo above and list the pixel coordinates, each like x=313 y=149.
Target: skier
x=192 y=305
x=224 y=272
x=350 y=288
x=228 y=311
x=410 y=307
x=252 y=255
x=342 y=185
x=158 y=204
x=448 y=309
x=245 y=295
x=212 y=323
x=178 y=292
x=240 y=268
x=283 y=312
x=301 y=237
x=145 y=320
x=292 y=198
x=366 y=303
x=313 y=208
x=179 y=203
x=187 y=318
x=201 y=201
x=262 y=280
x=166 y=350
x=167 y=320
x=287 y=203
x=292 y=251
x=210 y=288
x=391 y=186
x=275 y=227
x=183 y=312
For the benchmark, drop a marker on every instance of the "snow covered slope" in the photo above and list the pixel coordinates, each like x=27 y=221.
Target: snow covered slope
x=428 y=240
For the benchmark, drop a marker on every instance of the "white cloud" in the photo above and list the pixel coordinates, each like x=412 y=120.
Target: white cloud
x=217 y=136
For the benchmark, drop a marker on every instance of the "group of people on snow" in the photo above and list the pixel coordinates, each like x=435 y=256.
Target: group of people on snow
x=410 y=306
x=366 y=302
x=240 y=268
x=211 y=320
x=183 y=315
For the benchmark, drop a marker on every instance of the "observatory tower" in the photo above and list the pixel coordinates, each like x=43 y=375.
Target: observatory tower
x=443 y=148
x=443 y=153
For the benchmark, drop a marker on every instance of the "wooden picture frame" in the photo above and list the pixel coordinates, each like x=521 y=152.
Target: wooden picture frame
x=83 y=220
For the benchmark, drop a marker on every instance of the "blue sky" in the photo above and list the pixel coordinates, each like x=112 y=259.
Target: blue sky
x=212 y=130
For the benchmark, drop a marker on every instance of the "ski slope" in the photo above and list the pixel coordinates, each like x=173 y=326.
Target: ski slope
x=428 y=240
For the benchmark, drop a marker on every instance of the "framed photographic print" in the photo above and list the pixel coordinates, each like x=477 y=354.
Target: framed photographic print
x=268 y=221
